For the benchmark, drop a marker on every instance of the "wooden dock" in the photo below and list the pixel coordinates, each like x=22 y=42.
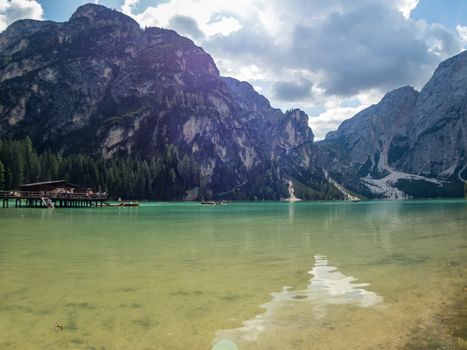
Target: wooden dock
x=43 y=199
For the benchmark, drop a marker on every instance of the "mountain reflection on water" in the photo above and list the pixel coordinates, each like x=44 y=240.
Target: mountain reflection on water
x=327 y=286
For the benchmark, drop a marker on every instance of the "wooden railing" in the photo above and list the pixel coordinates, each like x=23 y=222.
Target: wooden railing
x=52 y=195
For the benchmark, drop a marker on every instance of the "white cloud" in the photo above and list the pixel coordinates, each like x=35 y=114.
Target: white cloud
x=243 y=72
x=462 y=31
x=13 y=10
x=212 y=17
x=406 y=7
x=128 y=6
x=331 y=119
x=222 y=25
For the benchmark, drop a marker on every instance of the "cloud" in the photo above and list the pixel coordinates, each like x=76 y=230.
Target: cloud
x=224 y=25
x=406 y=7
x=462 y=31
x=13 y=10
x=213 y=17
x=186 y=26
x=128 y=6
x=331 y=119
x=370 y=47
x=367 y=47
x=292 y=90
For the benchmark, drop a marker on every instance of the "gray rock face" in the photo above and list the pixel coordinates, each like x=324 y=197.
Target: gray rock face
x=436 y=138
x=368 y=135
x=101 y=85
x=409 y=133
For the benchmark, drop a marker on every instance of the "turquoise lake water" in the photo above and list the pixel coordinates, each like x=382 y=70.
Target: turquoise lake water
x=307 y=275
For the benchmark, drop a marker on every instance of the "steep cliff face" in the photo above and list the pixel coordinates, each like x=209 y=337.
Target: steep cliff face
x=436 y=140
x=99 y=84
x=286 y=141
x=368 y=135
x=410 y=143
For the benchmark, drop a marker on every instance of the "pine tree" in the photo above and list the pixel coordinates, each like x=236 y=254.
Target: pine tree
x=17 y=164
x=34 y=168
x=28 y=152
x=2 y=176
x=8 y=179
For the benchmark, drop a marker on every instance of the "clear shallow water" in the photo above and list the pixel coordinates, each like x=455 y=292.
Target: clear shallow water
x=326 y=275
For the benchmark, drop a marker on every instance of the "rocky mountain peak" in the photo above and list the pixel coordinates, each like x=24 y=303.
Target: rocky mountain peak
x=453 y=64
x=22 y=29
x=295 y=129
x=298 y=115
x=95 y=13
x=91 y=17
x=90 y=10
x=246 y=94
x=446 y=86
x=393 y=104
x=451 y=74
x=397 y=95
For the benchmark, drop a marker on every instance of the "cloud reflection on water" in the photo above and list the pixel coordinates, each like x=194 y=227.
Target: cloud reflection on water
x=327 y=286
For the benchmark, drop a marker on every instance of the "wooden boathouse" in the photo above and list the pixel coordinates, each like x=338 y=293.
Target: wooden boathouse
x=51 y=194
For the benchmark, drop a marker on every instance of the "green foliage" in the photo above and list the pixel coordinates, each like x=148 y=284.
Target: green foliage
x=425 y=189
x=2 y=175
x=164 y=178
x=12 y=155
x=325 y=191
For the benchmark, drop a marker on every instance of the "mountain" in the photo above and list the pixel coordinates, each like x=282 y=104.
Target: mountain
x=100 y=85
x=410 y=143
x=436 y=139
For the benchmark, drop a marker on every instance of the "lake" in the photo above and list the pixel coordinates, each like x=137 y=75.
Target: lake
x=321 y=275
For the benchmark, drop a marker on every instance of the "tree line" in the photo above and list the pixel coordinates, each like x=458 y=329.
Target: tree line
x=166 y=177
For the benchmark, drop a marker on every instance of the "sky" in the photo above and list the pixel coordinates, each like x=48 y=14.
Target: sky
x=329 y=58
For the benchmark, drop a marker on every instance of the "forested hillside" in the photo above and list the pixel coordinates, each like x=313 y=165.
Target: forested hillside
x=128 y=178
x=165 y=178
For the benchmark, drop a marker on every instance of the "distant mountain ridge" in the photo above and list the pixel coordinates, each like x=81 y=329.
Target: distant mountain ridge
x=100 y=85
x=412 y=137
